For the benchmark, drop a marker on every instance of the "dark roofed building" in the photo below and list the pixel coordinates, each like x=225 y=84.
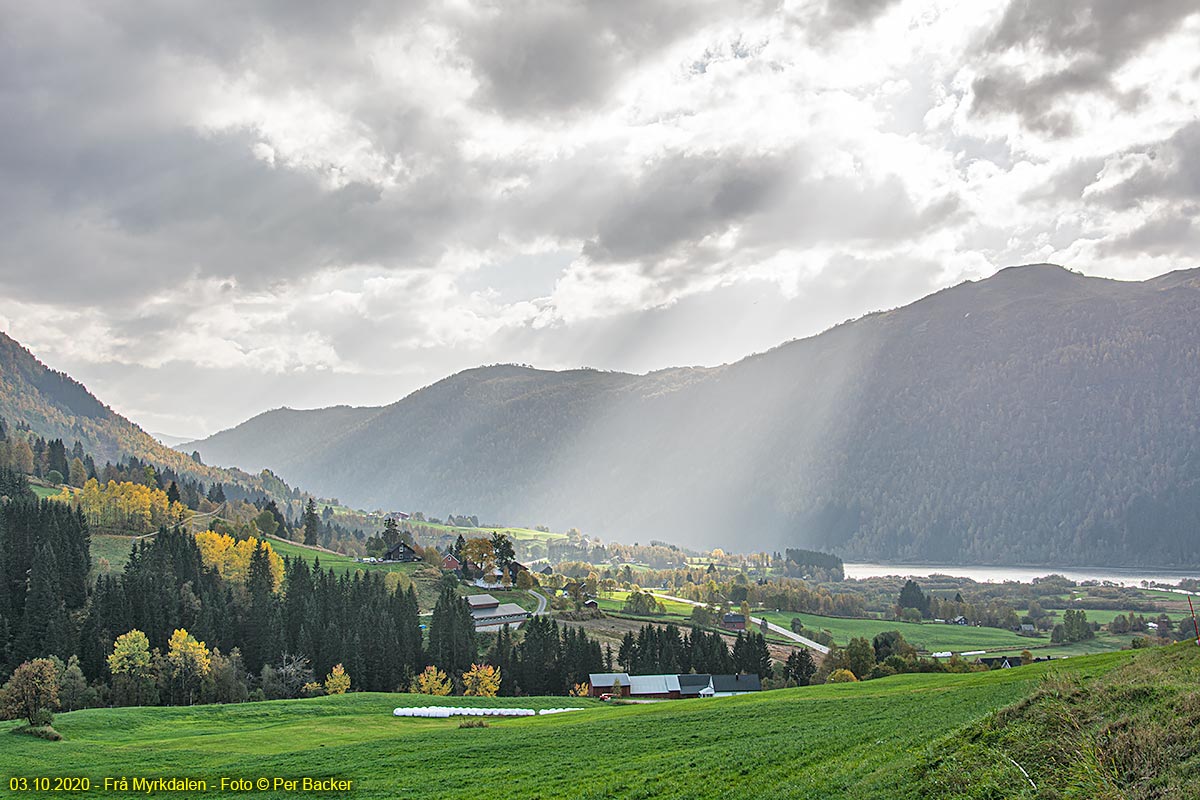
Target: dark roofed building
x=725 y=685
x=695 y=686
x=490 y=614
x=734 y=622
x=401 y=551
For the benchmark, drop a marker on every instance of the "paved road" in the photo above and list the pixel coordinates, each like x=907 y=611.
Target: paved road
x=771 y=626
x=541 y=609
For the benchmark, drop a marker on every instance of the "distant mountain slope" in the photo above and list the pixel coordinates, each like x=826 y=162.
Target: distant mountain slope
x=270 y=438
x=1038 y=416
x=54 y=405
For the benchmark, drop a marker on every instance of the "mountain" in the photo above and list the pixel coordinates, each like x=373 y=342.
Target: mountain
x=55 y=406
x=1037 y=417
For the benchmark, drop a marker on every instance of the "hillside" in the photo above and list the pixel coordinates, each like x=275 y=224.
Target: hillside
x=908 y=736
x=1038 y=417
x=54 y=405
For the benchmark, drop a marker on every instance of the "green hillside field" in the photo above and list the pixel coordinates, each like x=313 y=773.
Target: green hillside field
x=884 y=738
x=931 y=637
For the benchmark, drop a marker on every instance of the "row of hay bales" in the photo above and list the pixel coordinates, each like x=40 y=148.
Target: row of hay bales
x=444 y=712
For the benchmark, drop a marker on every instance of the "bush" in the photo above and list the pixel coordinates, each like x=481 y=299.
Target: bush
x=841 y=676
x=41 y=732
x=42 y=718
x=473 y=723
x=55 y=477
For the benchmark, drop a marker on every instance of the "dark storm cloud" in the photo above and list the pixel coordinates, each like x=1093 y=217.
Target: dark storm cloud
x=832 y=16
x=1170 y=232
x=536 y=57
x=683 y=200
x=1169 y=171
x=1093 y=37
x=111 y=192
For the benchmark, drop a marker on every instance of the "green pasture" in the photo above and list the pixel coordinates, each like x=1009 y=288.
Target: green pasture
x=866 y=740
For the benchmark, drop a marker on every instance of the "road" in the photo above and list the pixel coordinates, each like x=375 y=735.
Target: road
x=771 y=626
x=541 y=609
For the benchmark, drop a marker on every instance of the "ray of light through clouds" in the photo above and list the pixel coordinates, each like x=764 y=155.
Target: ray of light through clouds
x=214 y=210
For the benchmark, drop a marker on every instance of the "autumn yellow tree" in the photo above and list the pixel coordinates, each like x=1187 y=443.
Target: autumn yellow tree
x=188 y=661
x=126 y=506
x=841 y=676
x=231 y=557
x=432 y=681
x=480 y=551
x=132 y=670
x=337 y=681
x=580 y=690
x=481 y=680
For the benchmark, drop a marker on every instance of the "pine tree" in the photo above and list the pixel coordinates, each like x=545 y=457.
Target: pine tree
x=46 y=627
x=312 y=523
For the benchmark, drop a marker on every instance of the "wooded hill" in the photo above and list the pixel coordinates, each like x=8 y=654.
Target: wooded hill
x=53 y=405
x=1039 y=416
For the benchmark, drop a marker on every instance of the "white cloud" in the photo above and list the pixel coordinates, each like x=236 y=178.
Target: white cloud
x=396 y=192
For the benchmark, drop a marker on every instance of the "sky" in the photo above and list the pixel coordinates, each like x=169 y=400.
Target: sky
x=213 y=209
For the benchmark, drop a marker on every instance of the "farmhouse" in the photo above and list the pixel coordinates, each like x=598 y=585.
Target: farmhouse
x=734 y=622
x=546 y=570
x=401 y=551
x=491 y=615
x=451 y=563
x=606 y=683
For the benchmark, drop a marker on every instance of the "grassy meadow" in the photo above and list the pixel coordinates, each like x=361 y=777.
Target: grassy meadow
x=932 y=637
x=868 y=740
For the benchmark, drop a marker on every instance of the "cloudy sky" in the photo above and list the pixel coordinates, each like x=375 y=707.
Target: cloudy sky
x=211 y=209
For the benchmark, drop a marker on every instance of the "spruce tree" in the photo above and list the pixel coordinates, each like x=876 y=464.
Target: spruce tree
x=312 y=523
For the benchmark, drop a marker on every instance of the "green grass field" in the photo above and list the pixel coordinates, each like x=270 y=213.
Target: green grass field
x=113 y=549
x=863 y=740
x=45 y=491
x=521 y=534
x=932 y=637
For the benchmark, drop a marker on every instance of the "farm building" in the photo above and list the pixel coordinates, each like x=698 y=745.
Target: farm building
x=695 y=686
x=401 y=551
x=654 y=687
x=607 y=683
x=451 y=563
x=673 y=687
x=734 y=622
x=491 y=615
x=728 y=685
x=546 y=570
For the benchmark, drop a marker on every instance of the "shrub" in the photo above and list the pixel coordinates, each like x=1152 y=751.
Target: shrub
x=473 y=723
x=41 y=732
x=42 y=718
x=841 y=676
x=55 y=477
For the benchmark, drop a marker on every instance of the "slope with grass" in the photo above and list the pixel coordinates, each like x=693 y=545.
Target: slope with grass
x=877 y=739
x=931 y=637
x=1127 y=734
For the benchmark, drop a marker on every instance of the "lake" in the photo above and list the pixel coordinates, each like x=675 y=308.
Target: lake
x=1130 y=577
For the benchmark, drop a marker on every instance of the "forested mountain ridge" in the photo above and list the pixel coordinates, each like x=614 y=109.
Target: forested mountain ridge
x=55 y=406
x=1038 y=416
